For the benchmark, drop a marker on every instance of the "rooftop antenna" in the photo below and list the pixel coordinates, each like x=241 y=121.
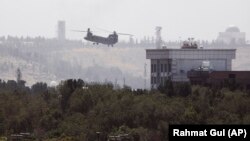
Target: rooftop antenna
x=145 y=75
x=115 y=84
x=158 y=41
x=124 y=82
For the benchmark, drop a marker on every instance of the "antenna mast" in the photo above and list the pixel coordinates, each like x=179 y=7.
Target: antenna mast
x=158 y=41
x=145 y=76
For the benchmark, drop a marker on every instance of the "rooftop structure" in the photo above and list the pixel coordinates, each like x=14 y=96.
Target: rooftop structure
x=61 y=30
x=175 y=63
x=232 y=35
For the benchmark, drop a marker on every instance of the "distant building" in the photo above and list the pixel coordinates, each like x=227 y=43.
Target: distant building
x=61 y=30
x=232 y=36
x=175 y=63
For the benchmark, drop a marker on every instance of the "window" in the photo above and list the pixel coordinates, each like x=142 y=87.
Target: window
x=161 y=67
x=169 y=67
x=182 y=71
x=232 y=76
x=154 y=67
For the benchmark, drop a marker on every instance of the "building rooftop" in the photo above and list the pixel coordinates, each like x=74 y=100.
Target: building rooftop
x=190 y=49
x=190 y=53
x=232 y=28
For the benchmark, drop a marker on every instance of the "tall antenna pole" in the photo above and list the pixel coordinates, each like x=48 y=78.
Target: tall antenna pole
x=115 y=83
x=124 y=82
x=158 y=41
x=145 y=76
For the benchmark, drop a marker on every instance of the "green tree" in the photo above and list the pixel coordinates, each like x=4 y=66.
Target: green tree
x=2 y=125
x=167 y=88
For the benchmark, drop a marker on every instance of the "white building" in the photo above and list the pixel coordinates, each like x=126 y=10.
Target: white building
x=175 y=63
x=232 y=35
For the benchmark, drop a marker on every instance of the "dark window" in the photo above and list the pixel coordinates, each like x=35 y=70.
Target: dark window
x=165 y=69
x=169 y=67
x=232 y=76
x=153 y=67
x=161 y=67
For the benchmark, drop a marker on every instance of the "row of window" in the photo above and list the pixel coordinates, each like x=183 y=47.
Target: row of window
x=162 y=67
x=162 y=80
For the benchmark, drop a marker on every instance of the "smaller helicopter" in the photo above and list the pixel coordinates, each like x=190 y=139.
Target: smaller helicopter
x=110 y=40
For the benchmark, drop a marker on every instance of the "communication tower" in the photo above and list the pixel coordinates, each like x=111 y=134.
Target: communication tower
x=158 y=41
x=61 y=30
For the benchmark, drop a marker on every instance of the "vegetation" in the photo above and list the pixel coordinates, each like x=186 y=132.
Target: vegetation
x=75 y=110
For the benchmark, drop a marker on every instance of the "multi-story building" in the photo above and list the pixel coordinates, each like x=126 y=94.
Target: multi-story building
x=175 y=63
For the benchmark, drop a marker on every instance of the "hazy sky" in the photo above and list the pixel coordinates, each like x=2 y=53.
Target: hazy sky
x=202 y=19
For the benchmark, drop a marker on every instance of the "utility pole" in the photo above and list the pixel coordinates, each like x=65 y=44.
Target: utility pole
x=145 y=76
x=124 y=82
x=115 y=85
x=18 y=75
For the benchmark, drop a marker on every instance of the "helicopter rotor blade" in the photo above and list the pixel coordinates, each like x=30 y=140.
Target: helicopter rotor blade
x=125 y=34
x=79 y=30
x=113 y=32
x=104 y=30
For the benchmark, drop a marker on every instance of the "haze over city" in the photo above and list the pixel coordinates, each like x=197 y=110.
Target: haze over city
x=50 y=59
x=180 y=19
x=124 y=70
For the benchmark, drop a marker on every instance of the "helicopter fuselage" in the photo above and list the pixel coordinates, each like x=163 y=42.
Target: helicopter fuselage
x=110 y=40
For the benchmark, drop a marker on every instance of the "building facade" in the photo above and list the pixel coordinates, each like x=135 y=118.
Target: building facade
x=175 y=63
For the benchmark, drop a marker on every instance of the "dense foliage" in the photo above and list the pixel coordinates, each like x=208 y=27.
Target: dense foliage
x=75 y=110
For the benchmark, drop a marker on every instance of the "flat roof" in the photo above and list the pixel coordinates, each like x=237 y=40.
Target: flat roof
x=177 y=49
x=170 y=53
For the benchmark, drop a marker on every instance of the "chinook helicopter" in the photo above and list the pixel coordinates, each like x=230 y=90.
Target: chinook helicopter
x=110 y=40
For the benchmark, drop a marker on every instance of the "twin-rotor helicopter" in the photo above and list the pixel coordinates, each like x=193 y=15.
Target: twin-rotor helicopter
x=110 y=40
